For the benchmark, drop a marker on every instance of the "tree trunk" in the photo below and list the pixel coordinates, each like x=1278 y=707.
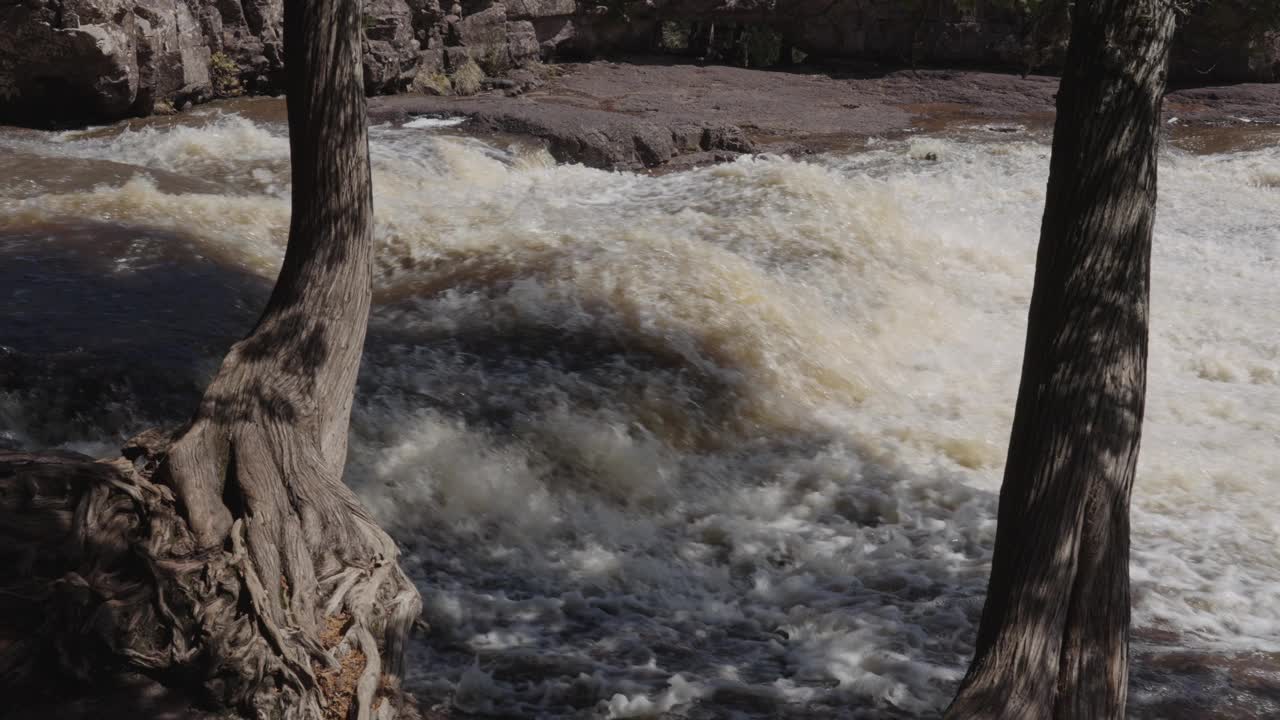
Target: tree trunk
x=263 y=582
x=702 y=40
x=1053 y=639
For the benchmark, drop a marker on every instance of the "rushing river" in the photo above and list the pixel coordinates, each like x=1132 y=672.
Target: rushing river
x=722 y=443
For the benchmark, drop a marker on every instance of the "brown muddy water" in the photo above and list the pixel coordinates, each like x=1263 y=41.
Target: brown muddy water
x=718 y=443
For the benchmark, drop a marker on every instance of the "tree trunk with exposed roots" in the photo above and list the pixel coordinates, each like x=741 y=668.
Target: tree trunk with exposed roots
x=1053 y=640
x=229 y=559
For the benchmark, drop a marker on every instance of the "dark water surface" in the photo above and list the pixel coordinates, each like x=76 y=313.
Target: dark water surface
x=722 y=443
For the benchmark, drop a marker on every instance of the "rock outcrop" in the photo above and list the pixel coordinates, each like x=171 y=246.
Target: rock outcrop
x=1222 y=40
x=100 y=59
x=94 y=60
x=1232 y=40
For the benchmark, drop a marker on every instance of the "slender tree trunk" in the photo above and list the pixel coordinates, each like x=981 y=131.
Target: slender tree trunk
x=230 y=558
x=265 y=453
x=702 y=39
x=298 y=367
x=1053 y=640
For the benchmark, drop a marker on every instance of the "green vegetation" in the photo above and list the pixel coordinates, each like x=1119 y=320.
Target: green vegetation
x=675 y=35
x=224 y=75
x=467 y=79
x=495 y=61
x=432 y=82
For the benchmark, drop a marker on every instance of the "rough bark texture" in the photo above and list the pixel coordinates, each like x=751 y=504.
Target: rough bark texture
x=229 y=558
x=1053 y=640
x=264 y=455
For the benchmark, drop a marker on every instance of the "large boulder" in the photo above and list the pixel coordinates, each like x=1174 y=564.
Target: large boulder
x=391 y=51
x=249 y=38
x=530 y=9
x=173 y=58
x=77 y=61
x=490 y=37
x=99 y=59
x=522 y=42
x=483 y=29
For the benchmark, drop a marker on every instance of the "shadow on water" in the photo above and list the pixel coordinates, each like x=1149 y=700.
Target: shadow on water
x=569 y=638
x=1172 y=683
x=110 y=328
x=497 y=376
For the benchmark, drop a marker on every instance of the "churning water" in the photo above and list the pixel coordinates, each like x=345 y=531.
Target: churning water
x=722 y=443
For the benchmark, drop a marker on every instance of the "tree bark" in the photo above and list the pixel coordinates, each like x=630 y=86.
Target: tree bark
x=265 y=452
x=230 y=557
x=1053 y=639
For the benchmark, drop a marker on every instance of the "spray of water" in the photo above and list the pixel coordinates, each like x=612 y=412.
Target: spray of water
x=723 y=441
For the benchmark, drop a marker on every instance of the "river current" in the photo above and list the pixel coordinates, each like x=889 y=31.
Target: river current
x=723 y=443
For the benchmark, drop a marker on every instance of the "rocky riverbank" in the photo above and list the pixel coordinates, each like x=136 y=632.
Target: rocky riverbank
x=658 y=114
x=84 y=61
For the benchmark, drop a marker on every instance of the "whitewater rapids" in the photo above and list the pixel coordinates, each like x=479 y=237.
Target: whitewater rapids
x=721 y=443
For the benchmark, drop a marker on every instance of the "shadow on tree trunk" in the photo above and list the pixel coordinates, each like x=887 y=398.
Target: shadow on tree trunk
x=1053 y=641
x=228 y=559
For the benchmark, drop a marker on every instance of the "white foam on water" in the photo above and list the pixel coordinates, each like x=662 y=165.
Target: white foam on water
x=430 y=123
x=732 y=437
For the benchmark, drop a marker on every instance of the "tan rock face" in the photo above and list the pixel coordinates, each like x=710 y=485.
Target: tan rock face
x=390 y=49
x=99 y=60
x=91 y=67
x=93 y=60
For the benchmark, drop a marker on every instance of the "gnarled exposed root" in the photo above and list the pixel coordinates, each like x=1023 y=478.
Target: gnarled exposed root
x=116 y=578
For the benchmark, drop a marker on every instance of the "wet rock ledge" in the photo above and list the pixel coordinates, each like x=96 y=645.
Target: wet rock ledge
x=654 y=114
